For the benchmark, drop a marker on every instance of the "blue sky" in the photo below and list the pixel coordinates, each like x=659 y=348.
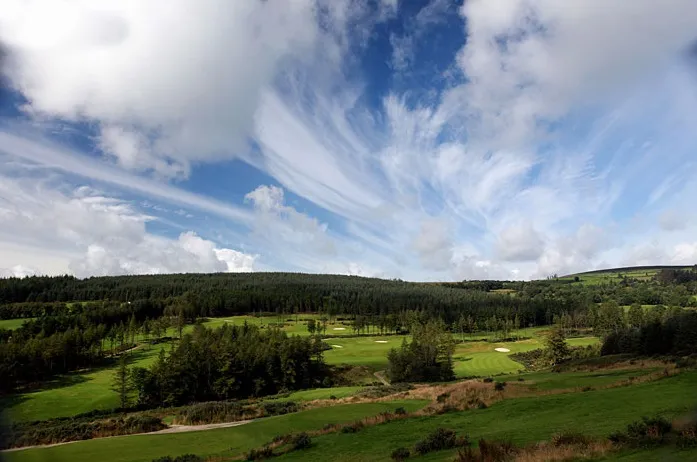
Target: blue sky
x=429 y=140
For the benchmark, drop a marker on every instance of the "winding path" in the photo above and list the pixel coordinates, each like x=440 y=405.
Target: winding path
x=170 y=429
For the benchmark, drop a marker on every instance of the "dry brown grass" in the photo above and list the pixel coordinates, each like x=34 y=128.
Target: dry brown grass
x=547 y=452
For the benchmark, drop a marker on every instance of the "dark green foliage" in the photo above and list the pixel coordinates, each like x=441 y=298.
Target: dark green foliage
x=184 y=458
x=400 y=411
x=352 y=427
x=301 y=441
x=427 y=358
x=500 y=386
x=400 y=454
x=675 y=333
x=687 y=438
x=488 y=379
x=259 y=454
x=379 y=391
x=644 y=433
x=82 y=427
x=441 y=438
x=201 y=368
x=556 y=348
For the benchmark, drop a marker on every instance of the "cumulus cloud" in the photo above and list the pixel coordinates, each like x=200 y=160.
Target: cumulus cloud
x=98 y=235
x=543 y=126
x=167 y=87
x=18 y=271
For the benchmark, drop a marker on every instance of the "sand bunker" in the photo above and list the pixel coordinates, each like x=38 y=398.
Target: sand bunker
x=339 y=328
x=381 y=341
x=502 y=350
x=337 y=346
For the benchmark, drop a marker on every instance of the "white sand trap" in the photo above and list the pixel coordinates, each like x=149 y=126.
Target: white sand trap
x=502 y=350
x=337 y=346
x=381 y=341
x=339 y=328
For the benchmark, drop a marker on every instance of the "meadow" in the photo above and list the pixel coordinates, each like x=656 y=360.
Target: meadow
x=87 y=390
x=521 y=420
x=10 y=324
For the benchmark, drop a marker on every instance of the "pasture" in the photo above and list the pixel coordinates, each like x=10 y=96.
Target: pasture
x=10 y=324
x=522 y=420
x=222 y=442
x=84 y=391
x=75 y=393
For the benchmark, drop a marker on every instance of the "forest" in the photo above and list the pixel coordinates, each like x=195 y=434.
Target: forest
x=75 y=323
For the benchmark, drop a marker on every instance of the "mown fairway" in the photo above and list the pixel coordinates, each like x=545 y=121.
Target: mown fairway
x=75 y=393
x=226 y=441
x=83 y=392
x=13 y=323
x=523 y=420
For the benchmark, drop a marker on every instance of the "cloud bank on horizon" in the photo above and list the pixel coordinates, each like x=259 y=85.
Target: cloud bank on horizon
x=433 y=140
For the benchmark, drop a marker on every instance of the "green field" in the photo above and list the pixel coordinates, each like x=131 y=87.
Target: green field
x=523 y=420
x=287 y=323
x=225 y=441
x=616 y=274
x=82 y=392
x=73 y=394
x=13 y=323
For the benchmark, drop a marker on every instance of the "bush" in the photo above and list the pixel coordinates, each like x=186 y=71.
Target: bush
x=301 y=441
x=496 y=451
x=643 y=433
x=400 y=411
x=352 y=427
x=499 y=386
x=259 y=454
x=488 y=380
x=279 y=408
x=570 y=439
x=441 y=438
x=400 y=454
x=688 y=437
x=184 y=458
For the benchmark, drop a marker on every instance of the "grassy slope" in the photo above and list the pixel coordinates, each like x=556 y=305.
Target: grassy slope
x=522 y=420
x=229 y=441
x=10 y=324
x=82 y=392
x=75 y=393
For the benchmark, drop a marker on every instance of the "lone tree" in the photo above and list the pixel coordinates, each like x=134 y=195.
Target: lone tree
x=556 y=348
x=427 y=358
x=122 y=383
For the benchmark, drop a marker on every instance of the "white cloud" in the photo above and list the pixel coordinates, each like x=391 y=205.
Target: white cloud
x=433 y=245
x=520 y=242
x=170 y=82
x=96 y=235
x=546 y=125
x=18 y=271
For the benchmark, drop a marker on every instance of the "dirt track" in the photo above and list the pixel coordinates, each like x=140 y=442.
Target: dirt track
x=171 y=429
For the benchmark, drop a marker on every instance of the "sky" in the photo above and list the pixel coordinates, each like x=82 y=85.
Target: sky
x=419 y=140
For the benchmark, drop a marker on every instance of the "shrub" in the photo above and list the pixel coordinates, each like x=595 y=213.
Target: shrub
x=644 y=433
x=585 y=389
x=352 y=427
x=441 y=438
x=570 y=439
x=301 y=441
x=279 y=408
x=687 y=437
x=496 y=451
x=400 y=454
x=442 y=397
x=184 y=458
x=499 y=386
x=332 y=397
x=259 y=454
x=400 y=411
x=488 y=380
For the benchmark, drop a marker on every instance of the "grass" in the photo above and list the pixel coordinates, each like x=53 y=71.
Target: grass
x=613 y=275
x=74 y=393
x=10 y=324
x=523 y=420
x=226 y=441
x=85 y=391
x=553 y=380
x=321 y=393
x=334 y=328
